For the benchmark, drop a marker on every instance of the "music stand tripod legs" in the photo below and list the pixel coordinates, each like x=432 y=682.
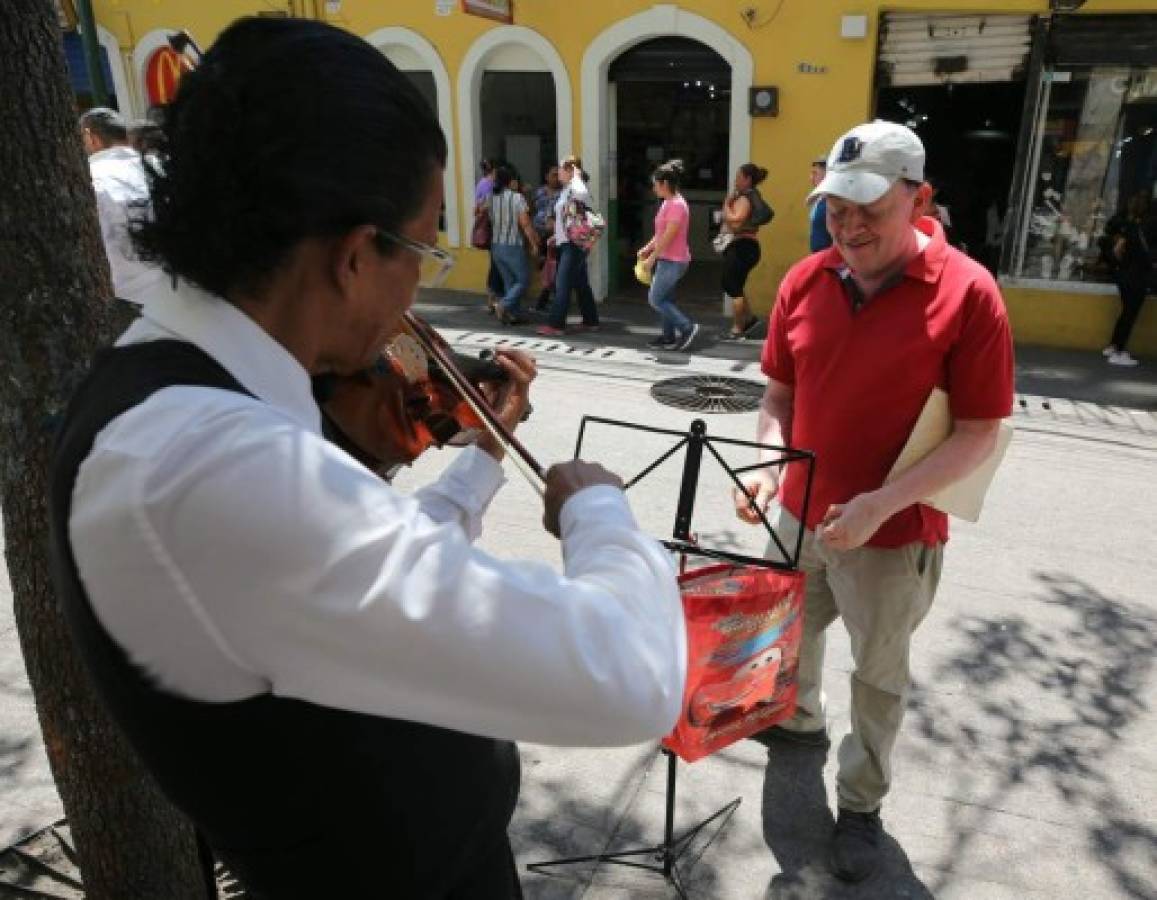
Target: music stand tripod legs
x=665 y=856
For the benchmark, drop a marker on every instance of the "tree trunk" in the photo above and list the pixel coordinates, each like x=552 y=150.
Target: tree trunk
x=55 y=310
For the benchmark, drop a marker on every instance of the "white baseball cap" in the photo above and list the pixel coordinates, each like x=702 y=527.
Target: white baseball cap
x=869 y=159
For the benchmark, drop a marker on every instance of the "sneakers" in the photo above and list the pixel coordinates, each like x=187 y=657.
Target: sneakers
x=687 y=339
x=1109 y=351
x=1122 y=358
x=662 y=343
x=856 y=845
x=549 y=331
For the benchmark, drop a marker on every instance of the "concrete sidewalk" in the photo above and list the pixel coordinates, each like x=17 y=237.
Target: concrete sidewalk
x=1026 y=767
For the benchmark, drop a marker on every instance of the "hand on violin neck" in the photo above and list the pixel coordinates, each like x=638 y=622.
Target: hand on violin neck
x=564 y=480
x=510 y=398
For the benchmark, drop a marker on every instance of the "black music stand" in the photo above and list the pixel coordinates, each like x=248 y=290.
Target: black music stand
x=666 y=855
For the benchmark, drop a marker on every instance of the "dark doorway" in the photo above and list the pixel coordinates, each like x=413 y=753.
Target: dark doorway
x=970 y=133
x=673 y=102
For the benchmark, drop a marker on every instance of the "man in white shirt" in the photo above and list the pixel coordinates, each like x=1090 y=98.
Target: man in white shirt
x=313 y=665
x=122 y=196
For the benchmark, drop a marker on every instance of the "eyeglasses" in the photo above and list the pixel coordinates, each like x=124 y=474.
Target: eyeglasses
x=436 y=262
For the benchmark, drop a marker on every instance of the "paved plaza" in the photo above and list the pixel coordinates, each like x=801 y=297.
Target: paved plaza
x=1026 y=767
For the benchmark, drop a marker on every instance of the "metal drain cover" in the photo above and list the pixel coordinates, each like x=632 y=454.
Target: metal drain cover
x=709 y=393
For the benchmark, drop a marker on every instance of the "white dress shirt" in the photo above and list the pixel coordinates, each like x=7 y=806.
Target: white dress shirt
x=118 y=178
x=232 y=551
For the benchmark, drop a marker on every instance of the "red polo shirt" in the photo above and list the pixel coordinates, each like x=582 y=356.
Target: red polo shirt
x=861 y=378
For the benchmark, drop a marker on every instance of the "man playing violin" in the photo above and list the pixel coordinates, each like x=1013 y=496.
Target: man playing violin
x=324 y=674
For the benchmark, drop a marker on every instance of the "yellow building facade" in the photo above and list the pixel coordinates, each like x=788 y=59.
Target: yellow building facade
x=822 y=59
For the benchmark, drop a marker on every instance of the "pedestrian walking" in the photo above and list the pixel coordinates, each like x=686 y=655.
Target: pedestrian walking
x=859 y=337
x=322 y=673
x=482 y=190
x=571 y=274
x=744 y=212
x=1128 y=250
x=122 y=199
x=512 y=234
x=667 y=257
x=542 y=205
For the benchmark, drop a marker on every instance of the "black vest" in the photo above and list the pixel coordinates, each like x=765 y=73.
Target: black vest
x=301 y=801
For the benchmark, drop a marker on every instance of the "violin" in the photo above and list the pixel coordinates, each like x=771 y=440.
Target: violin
x=418 y=394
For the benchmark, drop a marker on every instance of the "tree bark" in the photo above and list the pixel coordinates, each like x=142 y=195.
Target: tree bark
x=55 y=310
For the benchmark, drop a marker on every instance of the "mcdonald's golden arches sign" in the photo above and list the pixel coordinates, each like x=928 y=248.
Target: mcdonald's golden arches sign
x=163 y=74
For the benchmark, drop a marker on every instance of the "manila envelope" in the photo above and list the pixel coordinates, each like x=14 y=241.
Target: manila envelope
x=963 y=498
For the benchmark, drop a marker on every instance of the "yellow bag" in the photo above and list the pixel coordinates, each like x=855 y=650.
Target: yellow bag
x=642 y=273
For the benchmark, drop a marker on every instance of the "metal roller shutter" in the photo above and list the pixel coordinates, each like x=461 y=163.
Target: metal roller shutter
x=921 y=49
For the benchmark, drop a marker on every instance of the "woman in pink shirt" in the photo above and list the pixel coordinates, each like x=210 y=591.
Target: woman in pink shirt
x=667 y=257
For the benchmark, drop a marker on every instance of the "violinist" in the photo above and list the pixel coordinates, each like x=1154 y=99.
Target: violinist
x=324 y=674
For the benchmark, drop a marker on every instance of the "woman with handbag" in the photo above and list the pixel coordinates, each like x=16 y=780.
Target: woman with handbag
x=667 y=257
x=572 y=258
x=482 y=232
x=744 y=211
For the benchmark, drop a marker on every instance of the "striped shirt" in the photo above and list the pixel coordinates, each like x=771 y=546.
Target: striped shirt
x=505 y=208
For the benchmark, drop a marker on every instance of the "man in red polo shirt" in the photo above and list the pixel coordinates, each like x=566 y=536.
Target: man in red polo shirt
x=861 y=334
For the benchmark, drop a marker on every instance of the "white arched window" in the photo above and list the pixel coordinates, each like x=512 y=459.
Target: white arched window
x=416 y=57
x=665 y=20
x=492 y=65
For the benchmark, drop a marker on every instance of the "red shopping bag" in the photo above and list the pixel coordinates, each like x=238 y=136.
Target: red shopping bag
x=744 y=625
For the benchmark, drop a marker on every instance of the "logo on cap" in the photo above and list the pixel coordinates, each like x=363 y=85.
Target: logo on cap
x=850 y=150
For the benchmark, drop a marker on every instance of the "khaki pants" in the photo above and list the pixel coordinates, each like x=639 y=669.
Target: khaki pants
x=882 y=596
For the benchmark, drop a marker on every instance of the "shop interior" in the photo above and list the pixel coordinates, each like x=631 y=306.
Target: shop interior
x=970 y=134
x=673 y=99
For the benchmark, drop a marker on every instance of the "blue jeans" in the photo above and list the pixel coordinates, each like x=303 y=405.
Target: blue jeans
x=510 y=259
x=662 y=298
x=572 y=275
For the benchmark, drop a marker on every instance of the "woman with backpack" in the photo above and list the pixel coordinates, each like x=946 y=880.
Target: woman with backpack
x=744 y=212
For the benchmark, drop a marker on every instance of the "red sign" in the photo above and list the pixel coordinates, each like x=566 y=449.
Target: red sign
x=163 y=74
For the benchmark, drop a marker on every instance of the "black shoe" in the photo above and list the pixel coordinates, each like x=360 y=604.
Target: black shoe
x=687 y=338
x=750 y=326
x=856 y=845
x=507 y=318
x=777 y=734
x=661 y=343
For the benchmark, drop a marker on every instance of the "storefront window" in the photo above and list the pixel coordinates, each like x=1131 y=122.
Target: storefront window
x=1095 y=151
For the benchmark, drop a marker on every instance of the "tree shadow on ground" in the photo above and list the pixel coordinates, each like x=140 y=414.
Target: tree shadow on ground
x=1088 y=667
x=797 y=826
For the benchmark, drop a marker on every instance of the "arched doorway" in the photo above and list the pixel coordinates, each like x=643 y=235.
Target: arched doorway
x=505 y=68
x=598 y=108
x=671 y=99
x=417 y=59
